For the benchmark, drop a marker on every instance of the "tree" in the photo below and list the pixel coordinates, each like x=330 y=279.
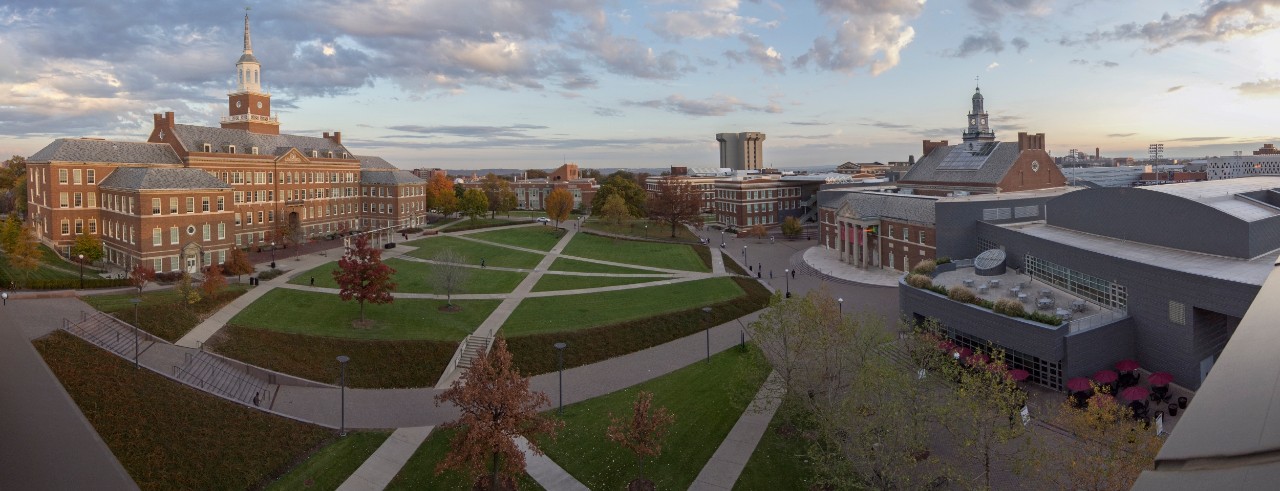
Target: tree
x=440 y=195
x=757 y=231
x=589 y=174
x=496 y=191
x=615 y=210
x=238 y=263
x=676 y=202
x=981 y=413
x=791 y=227
x=140 y=275
x=449 y=273
x=642 y=434
x=10 y=232
x=509 y=201
x=474 y=204
x=1109 y=448
x=621 y=183
x=497 y=406
x=187 y=291
x=214 y=282
x=25 y=254
x=536 y=174
x=362 y=276
x=559 y=204
x=89 y=245
x=459 y=190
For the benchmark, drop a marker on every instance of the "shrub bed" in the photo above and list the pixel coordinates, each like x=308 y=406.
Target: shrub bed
x=925 y=267
x=269 y=274
x=1009 y=307
x=919 y=281
x=63 y=283
x=962 y=294
x=533 y=354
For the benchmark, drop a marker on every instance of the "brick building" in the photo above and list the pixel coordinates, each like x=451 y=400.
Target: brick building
x=531 y=194
x=389 y=196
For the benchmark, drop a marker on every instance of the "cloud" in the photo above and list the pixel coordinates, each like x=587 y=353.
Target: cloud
x=1078 y=61
x=1098 y=63
x=1020 y=44
x=607 y=112
x=996 y=9
x=870 y=35
x=1266 y=87
x=1175 y=88
x=512 y=131
x=718 y=105
x=886 y=125
x=769 y=59
x=1218 y=20
x=808 y=123
x=986 y=42
x=1199 y=138
x=626 y=55
x=1120 y=135
x=994 y=65
x=532 y=142
x=710 y=18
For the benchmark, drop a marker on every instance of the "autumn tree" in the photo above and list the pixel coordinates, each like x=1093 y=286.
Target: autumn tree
x=187 y=290
x=24 y=256
x=981 y=414
x=791 y=227
x=213 y=282
x=499 y=194
x=88 y=245
x=140 y=275
x=559 y=204
x=676 y=202
x=238 y=263
x=615 y=210
x=757 y=231
x=362 y=276
x=1107 y=449
x=474 y=204
x=536 y=174
x=623 y=184
x=497 y=407
x=448 y=273
x=642 y=434
x=440 y=196
x=10 y=232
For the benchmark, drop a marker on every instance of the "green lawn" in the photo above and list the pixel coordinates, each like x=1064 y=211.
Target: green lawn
x=332 y=465
x=541 y=237
x=574 y=265
x=323 y=314
x=168 y=435
x=495 y=256
x=554 y=282
x=419 y=473
x=706 y=399
x=551 y=314
x=467 y=224
x=778 y=461
x=636 y=228
x=655 y=254
x=159 y=313
x=414 y=277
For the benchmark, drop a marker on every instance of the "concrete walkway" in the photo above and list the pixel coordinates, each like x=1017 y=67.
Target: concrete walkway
x=726 y=465
x=546 y=472
x=376 y=472
x=827 y=262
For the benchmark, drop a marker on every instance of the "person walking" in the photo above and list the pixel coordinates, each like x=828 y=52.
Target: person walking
x=793 y=274
x=482 y=262
x=256 y=399
x=313 y=281
x=771 y=274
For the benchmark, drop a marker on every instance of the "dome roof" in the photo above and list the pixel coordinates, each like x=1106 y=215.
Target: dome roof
x=977 y=93
x=247 y=58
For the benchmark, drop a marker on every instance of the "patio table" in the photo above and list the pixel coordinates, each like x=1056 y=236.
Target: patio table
x=995 y=283
x=1022 y=297
x=967 y=282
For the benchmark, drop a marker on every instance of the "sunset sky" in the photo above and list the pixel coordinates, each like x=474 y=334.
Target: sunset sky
x=476 y=83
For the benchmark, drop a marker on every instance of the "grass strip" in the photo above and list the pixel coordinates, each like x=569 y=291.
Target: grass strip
x=569 y=313
x=576 y=266
x=468 y=224
x=161 y=312
x=492 y=255
x=706 y=399
x=323 y=314
x=170 y=436
x=375 y=364
x=534 y=354
x=637 y=229
x=556 y=282
x=779 y=461
x=419 y=473
x=654 y=254
x=415 y=277
x=332 y=464
x=542 y=238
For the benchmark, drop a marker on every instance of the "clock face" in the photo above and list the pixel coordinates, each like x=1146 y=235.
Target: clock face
x=237 y=104
x=971 y=121
x=259 y=104
x=1035 y=166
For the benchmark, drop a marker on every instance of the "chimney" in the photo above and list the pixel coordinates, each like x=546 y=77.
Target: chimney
x=1030 y=142
x=929 y=146
x=1097 y=153
x=336 y=137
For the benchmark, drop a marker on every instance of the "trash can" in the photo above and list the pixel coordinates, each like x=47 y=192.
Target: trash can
x=1173 y=410
x=1182 y=402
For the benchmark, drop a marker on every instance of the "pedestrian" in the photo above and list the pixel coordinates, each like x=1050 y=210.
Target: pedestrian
x=313 y=281
x=256 y=399
x=793 y=274
x=771 y=274
x=482 y=262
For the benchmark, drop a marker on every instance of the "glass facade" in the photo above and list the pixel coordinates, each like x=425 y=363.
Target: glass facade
x=1085 y=286
x=1044 y=372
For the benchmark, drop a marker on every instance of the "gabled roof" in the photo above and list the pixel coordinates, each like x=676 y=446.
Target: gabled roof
x=193 y=137
x=93 y=150
x=368 y=162
x=388 y=177
x=970 y=162
x=892 y=206
x=151 y=178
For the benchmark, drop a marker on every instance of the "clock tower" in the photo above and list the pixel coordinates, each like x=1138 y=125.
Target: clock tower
x=250 y=107
x=978 y=130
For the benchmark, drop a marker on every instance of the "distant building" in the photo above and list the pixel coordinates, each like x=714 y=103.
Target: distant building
x=426 y=174
x=981 y=167
x=531 y=194
x=741 y=151
x=1267 y=149
x=1258 y=164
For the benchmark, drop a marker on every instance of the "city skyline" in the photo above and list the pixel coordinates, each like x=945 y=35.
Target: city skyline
x=467 y=85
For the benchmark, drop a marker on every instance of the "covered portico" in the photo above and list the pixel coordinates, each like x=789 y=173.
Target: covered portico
x=859 y=242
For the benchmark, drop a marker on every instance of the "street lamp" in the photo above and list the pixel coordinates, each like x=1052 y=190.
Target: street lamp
x=81 y=256
x=786 y=273
x=342 y=425
x=707 y=311
x=841 y=302
x=5 y=296
x=273 y=254
x=560 y=360
x=135 y=301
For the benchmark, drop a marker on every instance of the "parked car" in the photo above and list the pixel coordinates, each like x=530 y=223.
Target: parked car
x=544 y=220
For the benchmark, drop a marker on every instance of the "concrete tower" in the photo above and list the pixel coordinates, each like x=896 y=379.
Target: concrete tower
x=741 y=151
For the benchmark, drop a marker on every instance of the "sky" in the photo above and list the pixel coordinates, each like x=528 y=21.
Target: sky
x=465 y=84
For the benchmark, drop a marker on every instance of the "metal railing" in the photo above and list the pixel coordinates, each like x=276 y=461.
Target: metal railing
x=1094 y=321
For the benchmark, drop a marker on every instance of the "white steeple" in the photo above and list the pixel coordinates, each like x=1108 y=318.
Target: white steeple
x=247 y=69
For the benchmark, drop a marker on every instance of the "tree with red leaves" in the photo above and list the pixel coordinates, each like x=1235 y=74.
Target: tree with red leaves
x=676 y=202
x=140 y=275
x=214 y=282
x=643 y=434
x=497 y=407
x=362 y=276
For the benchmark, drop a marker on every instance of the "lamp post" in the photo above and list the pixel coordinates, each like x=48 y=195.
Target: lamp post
x=560 y=361
x=722 y=238
x=707 y=311
x=273 y=254
x=841 y=302
x=81 y=257
x=786 y=273
x=5 y=296
x=135 y=301
x=744 y=254
x=342 y=425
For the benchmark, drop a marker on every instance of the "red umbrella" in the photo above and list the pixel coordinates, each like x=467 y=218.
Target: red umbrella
x=1127 y=365
x=1105 y=376
x=1018 y=374
x=964 y=353
x=1079 y=384
x=1135 y=393
x=1160 y=379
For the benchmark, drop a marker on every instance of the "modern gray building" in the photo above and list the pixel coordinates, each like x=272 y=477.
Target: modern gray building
x=1160 y=274
x=741 y=151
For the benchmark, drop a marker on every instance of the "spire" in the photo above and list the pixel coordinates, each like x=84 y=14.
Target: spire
x=978 y=129
x=248 y=46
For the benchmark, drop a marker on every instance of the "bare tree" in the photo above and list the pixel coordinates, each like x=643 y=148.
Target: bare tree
x=449 y=274
x=676 y=202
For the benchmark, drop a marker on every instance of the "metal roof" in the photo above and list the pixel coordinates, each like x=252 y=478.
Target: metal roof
x=388 y=177
x=1223 y=195
x=369 y=162
x=893 y=206
x=95 y=150
x=194 y=137
x=986 y=162
x=150 y=178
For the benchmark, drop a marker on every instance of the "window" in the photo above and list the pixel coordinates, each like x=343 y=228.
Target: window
x=222 y=256
x=191 y=229
x=207 y=147
x=79 y=226
x=248 y=218
x=1177 y=313
x=191 y=205
x=260 y=218
x=222 y=204
x=271 y=216
x=921 y=236
x=62 y=200
x=222 y=230
x=91 y=178
x=253 y=150
x=62 y=176
x=231 y=149
x=93 y=226
x=237 y=219
x=173 y=235
x=93 y=200
x=906 y=233
x=238 y=197
x=156 y=264
x=66 y=227
x=157 y=237
x=155 y=206
x=173 y=205
x=205 y=232
x=78 y=200
x=204 y=204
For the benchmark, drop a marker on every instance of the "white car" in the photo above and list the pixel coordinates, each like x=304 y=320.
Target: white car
x=544 y=220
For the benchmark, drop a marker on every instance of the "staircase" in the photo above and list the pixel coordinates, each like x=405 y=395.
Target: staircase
x=211 y=373
x=109 y=333
x=812 y=205
x=473 y=348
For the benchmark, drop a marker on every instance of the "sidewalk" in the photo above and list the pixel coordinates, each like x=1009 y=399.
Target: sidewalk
x=726 y=465
x=827 y=262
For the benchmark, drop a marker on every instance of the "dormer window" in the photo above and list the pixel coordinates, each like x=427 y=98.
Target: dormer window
x=253 y=150
x=315 y=154
x=231 y=149
x=208 y=148
x=346 y=155
x=330 y=154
